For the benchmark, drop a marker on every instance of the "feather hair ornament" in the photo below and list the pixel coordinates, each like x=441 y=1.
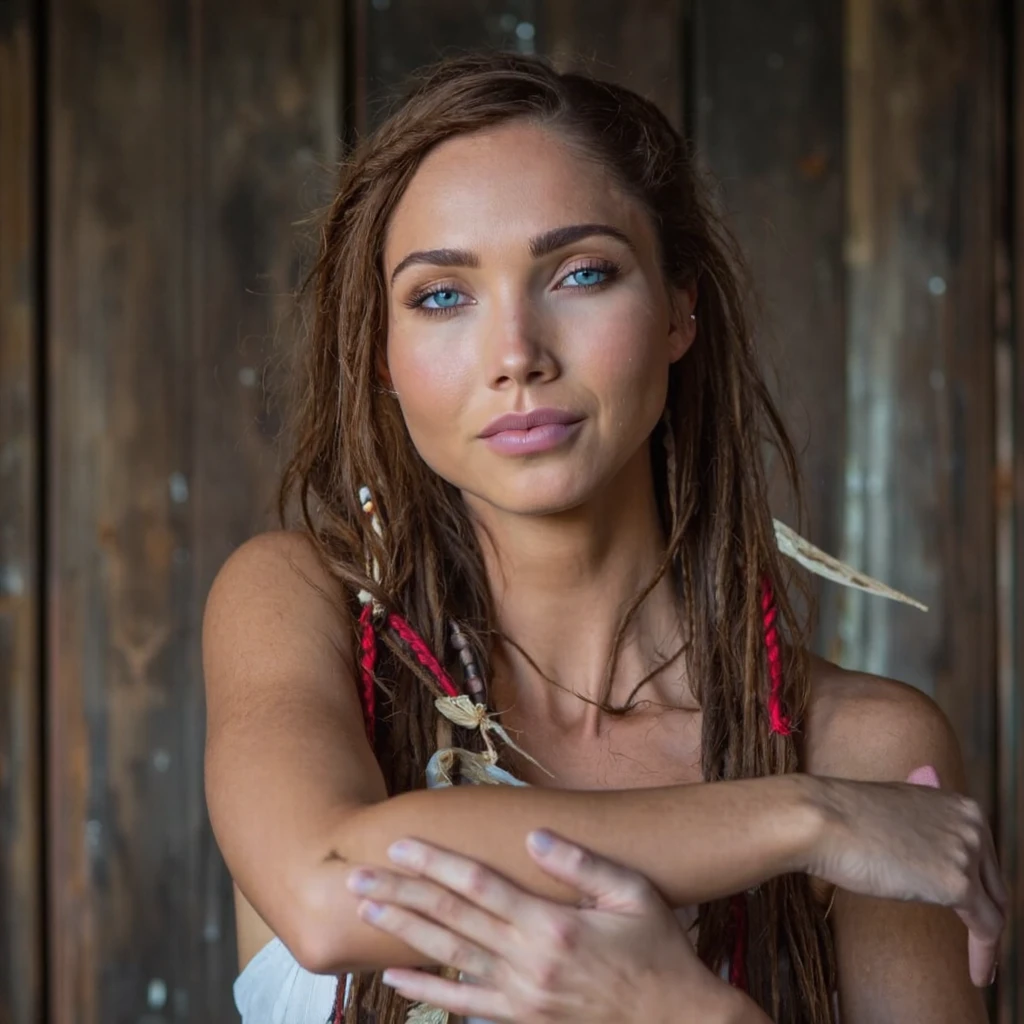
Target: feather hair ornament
x=462 y=711
x=819 y=562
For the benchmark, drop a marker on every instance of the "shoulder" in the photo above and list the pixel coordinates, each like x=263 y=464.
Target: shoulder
x=274 y=566
x=865 y=727
x=273 y=602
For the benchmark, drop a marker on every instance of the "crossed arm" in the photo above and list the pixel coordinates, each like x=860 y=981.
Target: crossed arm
x=297 y=801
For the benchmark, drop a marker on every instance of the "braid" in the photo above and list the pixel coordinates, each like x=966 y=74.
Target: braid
x=780 y=727
x=367 y=664
x=424 y=656
x=780 y=722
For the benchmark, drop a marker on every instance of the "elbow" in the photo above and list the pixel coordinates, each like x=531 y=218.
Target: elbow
x=323 y=925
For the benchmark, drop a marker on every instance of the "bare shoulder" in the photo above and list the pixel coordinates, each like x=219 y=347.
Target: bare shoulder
x=865 y=727
x=273 y=603
x=285 y=557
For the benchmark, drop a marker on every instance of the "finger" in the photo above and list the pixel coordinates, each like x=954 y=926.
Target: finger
x=982 y=959
x=607 y=884
x=438 y=904
x=458 y=997
x=926 y=775
x=433 y=940
x=475 y=882
x=995 y=888
x=984 y=923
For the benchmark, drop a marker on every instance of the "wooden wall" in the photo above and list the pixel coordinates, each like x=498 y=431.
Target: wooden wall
x=21 y=760
x=185 y=143
x=156 y=164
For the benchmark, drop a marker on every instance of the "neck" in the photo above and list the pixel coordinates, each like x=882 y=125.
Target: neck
x=562 y=584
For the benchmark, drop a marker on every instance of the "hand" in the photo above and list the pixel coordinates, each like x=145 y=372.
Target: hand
x=621 y=956
x=913 y=842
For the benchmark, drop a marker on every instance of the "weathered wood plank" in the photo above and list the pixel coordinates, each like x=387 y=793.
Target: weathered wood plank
x=920 y=150
x=768 y=115
x=183 y=138
x=21 y=906
x=638 y=45
x=268 y=128
x=395 y=37
x=1010 y=522
x=119 y=422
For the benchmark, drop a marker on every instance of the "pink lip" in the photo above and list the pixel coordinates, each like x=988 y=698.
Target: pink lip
x=541 y=438
x=524 y=421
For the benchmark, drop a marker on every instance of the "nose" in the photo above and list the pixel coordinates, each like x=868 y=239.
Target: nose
x=519 y=348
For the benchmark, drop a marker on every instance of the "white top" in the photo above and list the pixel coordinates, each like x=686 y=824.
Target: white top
x=274 y=989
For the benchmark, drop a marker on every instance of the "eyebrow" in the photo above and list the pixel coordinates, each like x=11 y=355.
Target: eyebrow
x=542 y=245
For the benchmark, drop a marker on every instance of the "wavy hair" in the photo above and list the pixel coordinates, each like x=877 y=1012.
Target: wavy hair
x=712 y=493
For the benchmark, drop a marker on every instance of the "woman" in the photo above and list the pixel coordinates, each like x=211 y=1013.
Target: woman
x=530 y=343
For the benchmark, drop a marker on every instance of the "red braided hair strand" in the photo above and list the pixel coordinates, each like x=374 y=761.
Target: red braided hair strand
x=367 y=664
x=780 y=726
x=780 y=721
x=424 y=656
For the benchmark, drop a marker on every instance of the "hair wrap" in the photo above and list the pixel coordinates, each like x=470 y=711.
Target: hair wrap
x=781 y=727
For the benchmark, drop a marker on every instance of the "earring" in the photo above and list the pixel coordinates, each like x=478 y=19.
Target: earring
x=693 y=316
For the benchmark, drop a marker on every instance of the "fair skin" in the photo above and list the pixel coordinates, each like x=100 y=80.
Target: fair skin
x=570 y=535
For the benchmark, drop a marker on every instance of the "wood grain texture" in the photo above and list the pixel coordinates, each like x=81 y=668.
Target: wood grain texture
x=920 y=136
x=397 y=37
x=1010 y=522
x=768 y=122
x=183 y=141
x=21 y=926
x=638 y=45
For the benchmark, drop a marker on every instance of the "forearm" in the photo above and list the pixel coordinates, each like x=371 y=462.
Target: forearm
x=694 y=843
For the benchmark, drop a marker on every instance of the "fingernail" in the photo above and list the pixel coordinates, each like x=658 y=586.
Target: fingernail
x=370 y=910
x=995 y=971
x=404 y=852
x=388 y=978
x=541 y=841
x=362 y=881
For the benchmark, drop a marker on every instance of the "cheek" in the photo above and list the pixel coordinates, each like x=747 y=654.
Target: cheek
x=435 y=382
x=626 y=364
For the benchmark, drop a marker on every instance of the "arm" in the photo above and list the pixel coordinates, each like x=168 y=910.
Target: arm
x=295 y=795
x=896 y=961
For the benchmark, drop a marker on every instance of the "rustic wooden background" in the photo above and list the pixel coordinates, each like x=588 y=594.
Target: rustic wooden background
x=158 y=162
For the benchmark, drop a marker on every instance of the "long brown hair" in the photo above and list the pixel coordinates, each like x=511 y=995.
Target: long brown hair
x=712 y=495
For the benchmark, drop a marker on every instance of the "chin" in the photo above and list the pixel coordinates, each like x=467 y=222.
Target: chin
x=536 y=490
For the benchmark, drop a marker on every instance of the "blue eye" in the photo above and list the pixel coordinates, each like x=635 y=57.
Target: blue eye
x=587 y=277
x=443 y=298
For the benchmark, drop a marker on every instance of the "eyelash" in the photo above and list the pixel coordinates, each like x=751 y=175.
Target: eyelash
x=416 y=300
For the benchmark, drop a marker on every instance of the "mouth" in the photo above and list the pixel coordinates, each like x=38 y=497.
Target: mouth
x=525 y=421
x=531 y=440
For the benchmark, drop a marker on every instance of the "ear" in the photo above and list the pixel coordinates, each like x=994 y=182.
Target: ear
x=682 y=328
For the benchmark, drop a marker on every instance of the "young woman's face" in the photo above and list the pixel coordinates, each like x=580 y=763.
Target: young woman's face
x=519 y=279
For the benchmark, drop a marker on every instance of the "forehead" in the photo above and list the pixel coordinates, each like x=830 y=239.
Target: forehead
x=502 y=186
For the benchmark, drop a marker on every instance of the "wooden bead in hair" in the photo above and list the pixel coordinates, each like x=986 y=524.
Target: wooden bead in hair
x=470 y=668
